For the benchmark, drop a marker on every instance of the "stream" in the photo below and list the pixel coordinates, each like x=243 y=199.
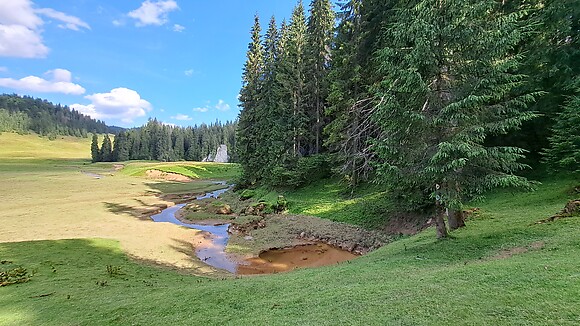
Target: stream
x=213 y=254
x=270 y=261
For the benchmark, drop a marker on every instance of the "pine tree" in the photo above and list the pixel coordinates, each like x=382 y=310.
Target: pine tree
x=350 y=127
x=249 y=147
x=320 y=33
x=291 y=75
x=564 y=151
x=448 y=85
x=95 y=153
x=106 y=153
x=121 y=148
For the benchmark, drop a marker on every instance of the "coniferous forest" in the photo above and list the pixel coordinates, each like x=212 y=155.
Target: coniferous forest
x=440 y=101
x=23 y=114
x=157 y=141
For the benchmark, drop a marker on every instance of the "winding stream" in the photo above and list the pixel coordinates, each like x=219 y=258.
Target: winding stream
x=213 y=254
x=271 y=261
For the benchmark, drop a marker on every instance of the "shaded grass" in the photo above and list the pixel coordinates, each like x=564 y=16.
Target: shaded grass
x=413 y=281
x=367 y=207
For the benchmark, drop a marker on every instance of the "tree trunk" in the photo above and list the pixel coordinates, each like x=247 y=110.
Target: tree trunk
x=440 y=222
x=455 y=219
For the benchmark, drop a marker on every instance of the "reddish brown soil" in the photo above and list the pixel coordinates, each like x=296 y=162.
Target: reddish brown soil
x=282 y=260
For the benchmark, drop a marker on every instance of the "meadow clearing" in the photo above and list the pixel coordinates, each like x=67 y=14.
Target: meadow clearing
x=89 y=252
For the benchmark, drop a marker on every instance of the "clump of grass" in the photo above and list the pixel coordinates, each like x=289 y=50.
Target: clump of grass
x=114 y=270
x=14 y=276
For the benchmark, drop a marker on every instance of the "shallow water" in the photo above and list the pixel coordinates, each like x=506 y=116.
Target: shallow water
x=271 y=261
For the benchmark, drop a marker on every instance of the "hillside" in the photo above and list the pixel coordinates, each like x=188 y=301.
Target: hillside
x=46 y=118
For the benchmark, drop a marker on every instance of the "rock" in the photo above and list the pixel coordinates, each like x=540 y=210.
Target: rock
x=221 y=155
x=224 y=210
x=248 y=237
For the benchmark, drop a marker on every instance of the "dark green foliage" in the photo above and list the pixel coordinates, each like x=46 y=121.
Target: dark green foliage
x=564 y=150
x=47 y=119
x=156 y=141
x=249 y=148
x=14 y=121
x=95 y=152
x=106 y=152
x=449 y=82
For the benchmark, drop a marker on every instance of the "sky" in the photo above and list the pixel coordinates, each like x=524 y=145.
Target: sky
x=123 y=62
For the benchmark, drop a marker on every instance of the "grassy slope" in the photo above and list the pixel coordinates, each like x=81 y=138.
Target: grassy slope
x=416 y=280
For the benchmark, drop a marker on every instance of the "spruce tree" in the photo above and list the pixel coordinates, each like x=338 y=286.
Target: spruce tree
x=320 y=33
x=349 y=127
x=564 y=151
x=249 y=149
x=95 y=153
x=448 y=85
x=106 y=153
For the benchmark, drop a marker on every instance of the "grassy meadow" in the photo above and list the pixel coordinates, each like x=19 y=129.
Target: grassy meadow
x=85 y=247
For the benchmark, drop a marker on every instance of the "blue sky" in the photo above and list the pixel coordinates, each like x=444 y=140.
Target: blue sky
x=125 y=61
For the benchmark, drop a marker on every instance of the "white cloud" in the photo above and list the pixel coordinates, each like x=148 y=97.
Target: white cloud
x=118 y=23
x=3 y=69
x=121 y=104
x=182 y=117
x=60 y=81
x=189 y=72
x=70 y=22
x=200 y=109
x=21 y=28
x=153 y=13
x=178 y=28
x=222 y=106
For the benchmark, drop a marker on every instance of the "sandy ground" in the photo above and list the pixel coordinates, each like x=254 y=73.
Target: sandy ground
x=53 y=205
x=160 y=175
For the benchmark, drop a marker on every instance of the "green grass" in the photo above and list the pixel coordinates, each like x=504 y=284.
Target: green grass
x=502 y=269
x=413 y=281
x=327 y=199
x=194 y=170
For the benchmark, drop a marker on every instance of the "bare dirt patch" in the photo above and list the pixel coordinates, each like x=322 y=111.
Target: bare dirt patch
x=508 y=253
x=287 y=259
x=167 y=176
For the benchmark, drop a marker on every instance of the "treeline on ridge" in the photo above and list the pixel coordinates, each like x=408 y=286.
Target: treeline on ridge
x=157 y=141
x=438 y=100
x=23 y=114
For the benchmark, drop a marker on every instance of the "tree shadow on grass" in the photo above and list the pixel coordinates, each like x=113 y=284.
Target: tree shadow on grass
x=142 y=212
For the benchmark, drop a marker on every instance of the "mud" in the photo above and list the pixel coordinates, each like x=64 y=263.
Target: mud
x=287 y=259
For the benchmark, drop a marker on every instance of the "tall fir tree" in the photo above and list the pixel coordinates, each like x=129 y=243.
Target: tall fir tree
x=449 y=83
x=106 y=153
x=249 y=148
x=95 y=152
x=320 y=33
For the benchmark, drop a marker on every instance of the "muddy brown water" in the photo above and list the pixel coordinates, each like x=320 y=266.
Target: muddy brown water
x=287 y=259
x=271 y=261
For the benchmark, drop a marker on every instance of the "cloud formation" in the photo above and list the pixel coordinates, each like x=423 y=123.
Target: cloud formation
x=182 y=117
x=153 y=13
x=70 y=22
x=21 y=28
x=178 y=28
x=200 y=109
x=189 y=72
x=60 y=81
x=222 y=106
x=121 y=104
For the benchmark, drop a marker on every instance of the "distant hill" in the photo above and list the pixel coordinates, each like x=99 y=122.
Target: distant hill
x=25 y=113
